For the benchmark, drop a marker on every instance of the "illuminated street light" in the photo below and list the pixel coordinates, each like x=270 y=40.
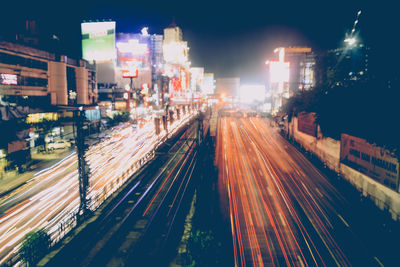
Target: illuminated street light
x=350 y=41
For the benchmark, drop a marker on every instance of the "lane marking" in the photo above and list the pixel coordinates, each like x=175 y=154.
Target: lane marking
x=281 y=217
x=379 y=262
x=319 y=192
x=343 y=220
x=300 y=260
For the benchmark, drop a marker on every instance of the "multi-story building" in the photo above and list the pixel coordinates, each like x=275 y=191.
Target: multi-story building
x=294 y=71
x=172 y=34
x=35 y=77
x=36 y=87
x=343 y=66
x=177 y=64
x=302 y=67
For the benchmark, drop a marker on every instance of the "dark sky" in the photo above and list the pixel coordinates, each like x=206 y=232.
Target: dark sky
x=229 y=38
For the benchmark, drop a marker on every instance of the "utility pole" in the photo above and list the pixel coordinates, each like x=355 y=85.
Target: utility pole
x=200 y=128
x=83 y=168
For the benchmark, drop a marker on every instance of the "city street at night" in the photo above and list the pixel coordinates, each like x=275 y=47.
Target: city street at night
x=208 y=133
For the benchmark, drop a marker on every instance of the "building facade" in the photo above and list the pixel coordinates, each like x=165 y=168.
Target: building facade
x=343 y=66
x=37 y=88
x=293 y=71
x=177 y=65
x=38 y=78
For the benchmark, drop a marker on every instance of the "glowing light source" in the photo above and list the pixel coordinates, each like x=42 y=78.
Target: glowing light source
x=133 y=47
x=279 y=71
x=176 y=52
x=251 y=93
x=145 y=31
x=98 y=41
x=9 y=79
x=350 y=41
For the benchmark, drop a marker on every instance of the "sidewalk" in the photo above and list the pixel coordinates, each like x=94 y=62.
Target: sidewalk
x=12 y=180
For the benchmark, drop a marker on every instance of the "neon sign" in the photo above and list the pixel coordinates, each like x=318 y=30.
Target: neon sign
x=9 y=79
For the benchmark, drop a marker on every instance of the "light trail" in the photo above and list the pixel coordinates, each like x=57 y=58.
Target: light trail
x=270 y=191
x=51 y=199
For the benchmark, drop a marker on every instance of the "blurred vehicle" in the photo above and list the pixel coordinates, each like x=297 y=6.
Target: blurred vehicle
x=141 y=122
x=60 y=144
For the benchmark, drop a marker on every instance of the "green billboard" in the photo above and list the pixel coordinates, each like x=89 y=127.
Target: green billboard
x=98 y=41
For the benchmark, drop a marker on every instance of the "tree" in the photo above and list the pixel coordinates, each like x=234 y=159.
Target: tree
x=366 y=109
x=122 y=116
x=34 y=247
x=203 y=249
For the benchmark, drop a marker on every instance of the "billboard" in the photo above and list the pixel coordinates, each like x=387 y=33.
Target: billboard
x=371 y=160
x=133 y=55
x=98 y=41
x=208 y=84
x=8 y=79
x=306 y=123
x=176 y=53
x=279 y=71
x=39 y=117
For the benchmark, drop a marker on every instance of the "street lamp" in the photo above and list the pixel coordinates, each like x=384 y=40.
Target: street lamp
x=350 y=41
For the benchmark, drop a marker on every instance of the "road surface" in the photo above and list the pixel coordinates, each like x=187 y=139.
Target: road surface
x=51 y=199
x=283 y=211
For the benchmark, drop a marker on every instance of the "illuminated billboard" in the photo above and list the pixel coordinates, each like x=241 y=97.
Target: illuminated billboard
x=39 y=117
x=208 y=84
x=278 y=71
x=130 y=71
x=98 y=41
x=8 y=79
x=132 y=47
x=132 y=57
x=176 y=52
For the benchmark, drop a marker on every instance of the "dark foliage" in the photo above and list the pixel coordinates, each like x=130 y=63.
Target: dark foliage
x=122 y=116
x=34 y=247
x=367 y=110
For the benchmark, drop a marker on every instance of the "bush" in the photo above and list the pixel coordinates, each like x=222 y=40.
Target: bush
x=34 y=247
x=203 y=249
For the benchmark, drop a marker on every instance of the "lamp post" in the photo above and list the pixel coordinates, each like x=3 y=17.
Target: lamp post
x=83 y=168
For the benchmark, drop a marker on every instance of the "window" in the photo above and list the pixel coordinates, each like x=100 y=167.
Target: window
x=22 y=61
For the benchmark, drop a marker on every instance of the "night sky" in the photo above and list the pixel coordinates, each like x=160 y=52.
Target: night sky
x=229 y=38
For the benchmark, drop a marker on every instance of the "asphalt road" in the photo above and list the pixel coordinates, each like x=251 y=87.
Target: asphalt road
x=283 y=210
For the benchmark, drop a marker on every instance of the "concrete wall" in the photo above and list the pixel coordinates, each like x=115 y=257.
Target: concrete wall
x=384 y=198
x=328 y=151
x=58 y=83
x=82 y=86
